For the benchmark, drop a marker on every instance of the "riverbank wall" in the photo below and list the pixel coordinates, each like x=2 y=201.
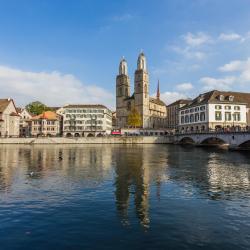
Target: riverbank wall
x=90 y=140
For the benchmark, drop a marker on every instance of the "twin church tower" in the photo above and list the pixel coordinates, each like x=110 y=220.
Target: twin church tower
x=152 y=110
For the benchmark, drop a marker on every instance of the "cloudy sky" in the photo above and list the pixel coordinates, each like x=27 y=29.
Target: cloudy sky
x=63 y=52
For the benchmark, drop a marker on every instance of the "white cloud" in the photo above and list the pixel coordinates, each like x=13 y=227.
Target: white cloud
x=230 y=37
x=170 y=97
x=189 y=53
x=237 y=65
x=232 y=66
x=183 y=87
x=52 y=88
x=198 y=39
x=210 y=83
x=241 y=66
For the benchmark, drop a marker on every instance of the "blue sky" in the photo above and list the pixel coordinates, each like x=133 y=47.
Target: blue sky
x=68 y=51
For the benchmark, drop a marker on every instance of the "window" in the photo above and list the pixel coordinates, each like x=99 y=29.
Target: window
x=236 y=107
x=202 y=116
x=221 y=97
x=236 y=116
x=227 y=107
x=192 y=118
x=186 y=119
x=196 y=117
x=228 y=116
x=197 y=109
x=231 y=98
x=202 y=108
x=182 y=119
x=218 y=116
x=218 y=107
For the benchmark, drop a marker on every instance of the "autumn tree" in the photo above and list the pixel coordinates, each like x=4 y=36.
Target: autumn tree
x=134 y=119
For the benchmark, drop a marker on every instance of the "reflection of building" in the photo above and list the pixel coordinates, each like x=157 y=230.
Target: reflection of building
x=25 y=122
x=215 y=110
x=47 y=124
x=85 y=120
x=135 y=169
x=152 y=110
x=9 y=119
x=173 y=113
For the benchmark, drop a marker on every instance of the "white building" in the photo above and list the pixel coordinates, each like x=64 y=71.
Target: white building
x=85 y=120
x=215 y=110
x=9 y=119
x=25 y=122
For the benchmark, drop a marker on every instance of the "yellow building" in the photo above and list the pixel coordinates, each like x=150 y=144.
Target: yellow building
x=46 y=124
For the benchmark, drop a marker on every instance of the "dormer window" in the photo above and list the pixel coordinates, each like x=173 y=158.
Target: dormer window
x=221 y=97
x=200 y=98
x=231 y=98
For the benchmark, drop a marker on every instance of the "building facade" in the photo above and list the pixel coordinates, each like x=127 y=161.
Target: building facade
x=216 y=110
x=25 y=122
x=45 y=124
x=9 y=118
x=173 y=113
x=85 y=120
x=151 y=110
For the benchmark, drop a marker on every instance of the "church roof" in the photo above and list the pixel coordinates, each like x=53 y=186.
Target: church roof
x=157 y=101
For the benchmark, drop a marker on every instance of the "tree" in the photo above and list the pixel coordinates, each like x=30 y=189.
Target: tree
x=134 y=119
x=36 y=107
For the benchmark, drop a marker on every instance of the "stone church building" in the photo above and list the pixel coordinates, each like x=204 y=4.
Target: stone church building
x=152 y=110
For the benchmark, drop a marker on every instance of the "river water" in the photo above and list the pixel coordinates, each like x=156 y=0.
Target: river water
x=123 y=197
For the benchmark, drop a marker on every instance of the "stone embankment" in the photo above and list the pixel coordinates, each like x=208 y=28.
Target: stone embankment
x=90 y=140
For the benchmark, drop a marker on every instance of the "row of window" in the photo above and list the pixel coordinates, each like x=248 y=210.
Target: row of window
x=84 y=116
x=82 y=128
x=47 y=129
x=227 y=107
x=193 y=118
x=196 y=109
x=84 y=111
x=44 y=122
x=228 y=116
x=83 y=122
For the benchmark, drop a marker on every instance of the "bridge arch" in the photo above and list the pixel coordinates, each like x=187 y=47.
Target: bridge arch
x=213 y=141
x=186 y=141
x=245 y=144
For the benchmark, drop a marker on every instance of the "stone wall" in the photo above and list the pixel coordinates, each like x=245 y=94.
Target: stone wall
x=90 y=140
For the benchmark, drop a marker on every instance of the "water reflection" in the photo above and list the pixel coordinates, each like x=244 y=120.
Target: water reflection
x=140 y=177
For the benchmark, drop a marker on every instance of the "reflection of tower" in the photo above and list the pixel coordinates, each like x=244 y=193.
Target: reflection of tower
x=132 y=177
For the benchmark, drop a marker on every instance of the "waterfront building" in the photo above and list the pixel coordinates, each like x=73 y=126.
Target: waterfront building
x=25 y=122
x=85 y=120
x=46 y=124
x=216 y=110
x=9 y=118
x=152 y=111
x=173 y=113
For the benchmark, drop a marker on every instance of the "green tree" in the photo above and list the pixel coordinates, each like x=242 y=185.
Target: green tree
x=36 y=107
x=134 y=119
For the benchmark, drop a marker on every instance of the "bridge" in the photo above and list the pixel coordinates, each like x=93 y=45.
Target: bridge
x=233 y=140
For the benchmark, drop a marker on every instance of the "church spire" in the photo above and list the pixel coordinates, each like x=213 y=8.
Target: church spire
x=158 y=90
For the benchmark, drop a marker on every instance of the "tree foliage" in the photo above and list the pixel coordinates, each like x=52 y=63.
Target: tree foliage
x=134 y=119
x=36 y=108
